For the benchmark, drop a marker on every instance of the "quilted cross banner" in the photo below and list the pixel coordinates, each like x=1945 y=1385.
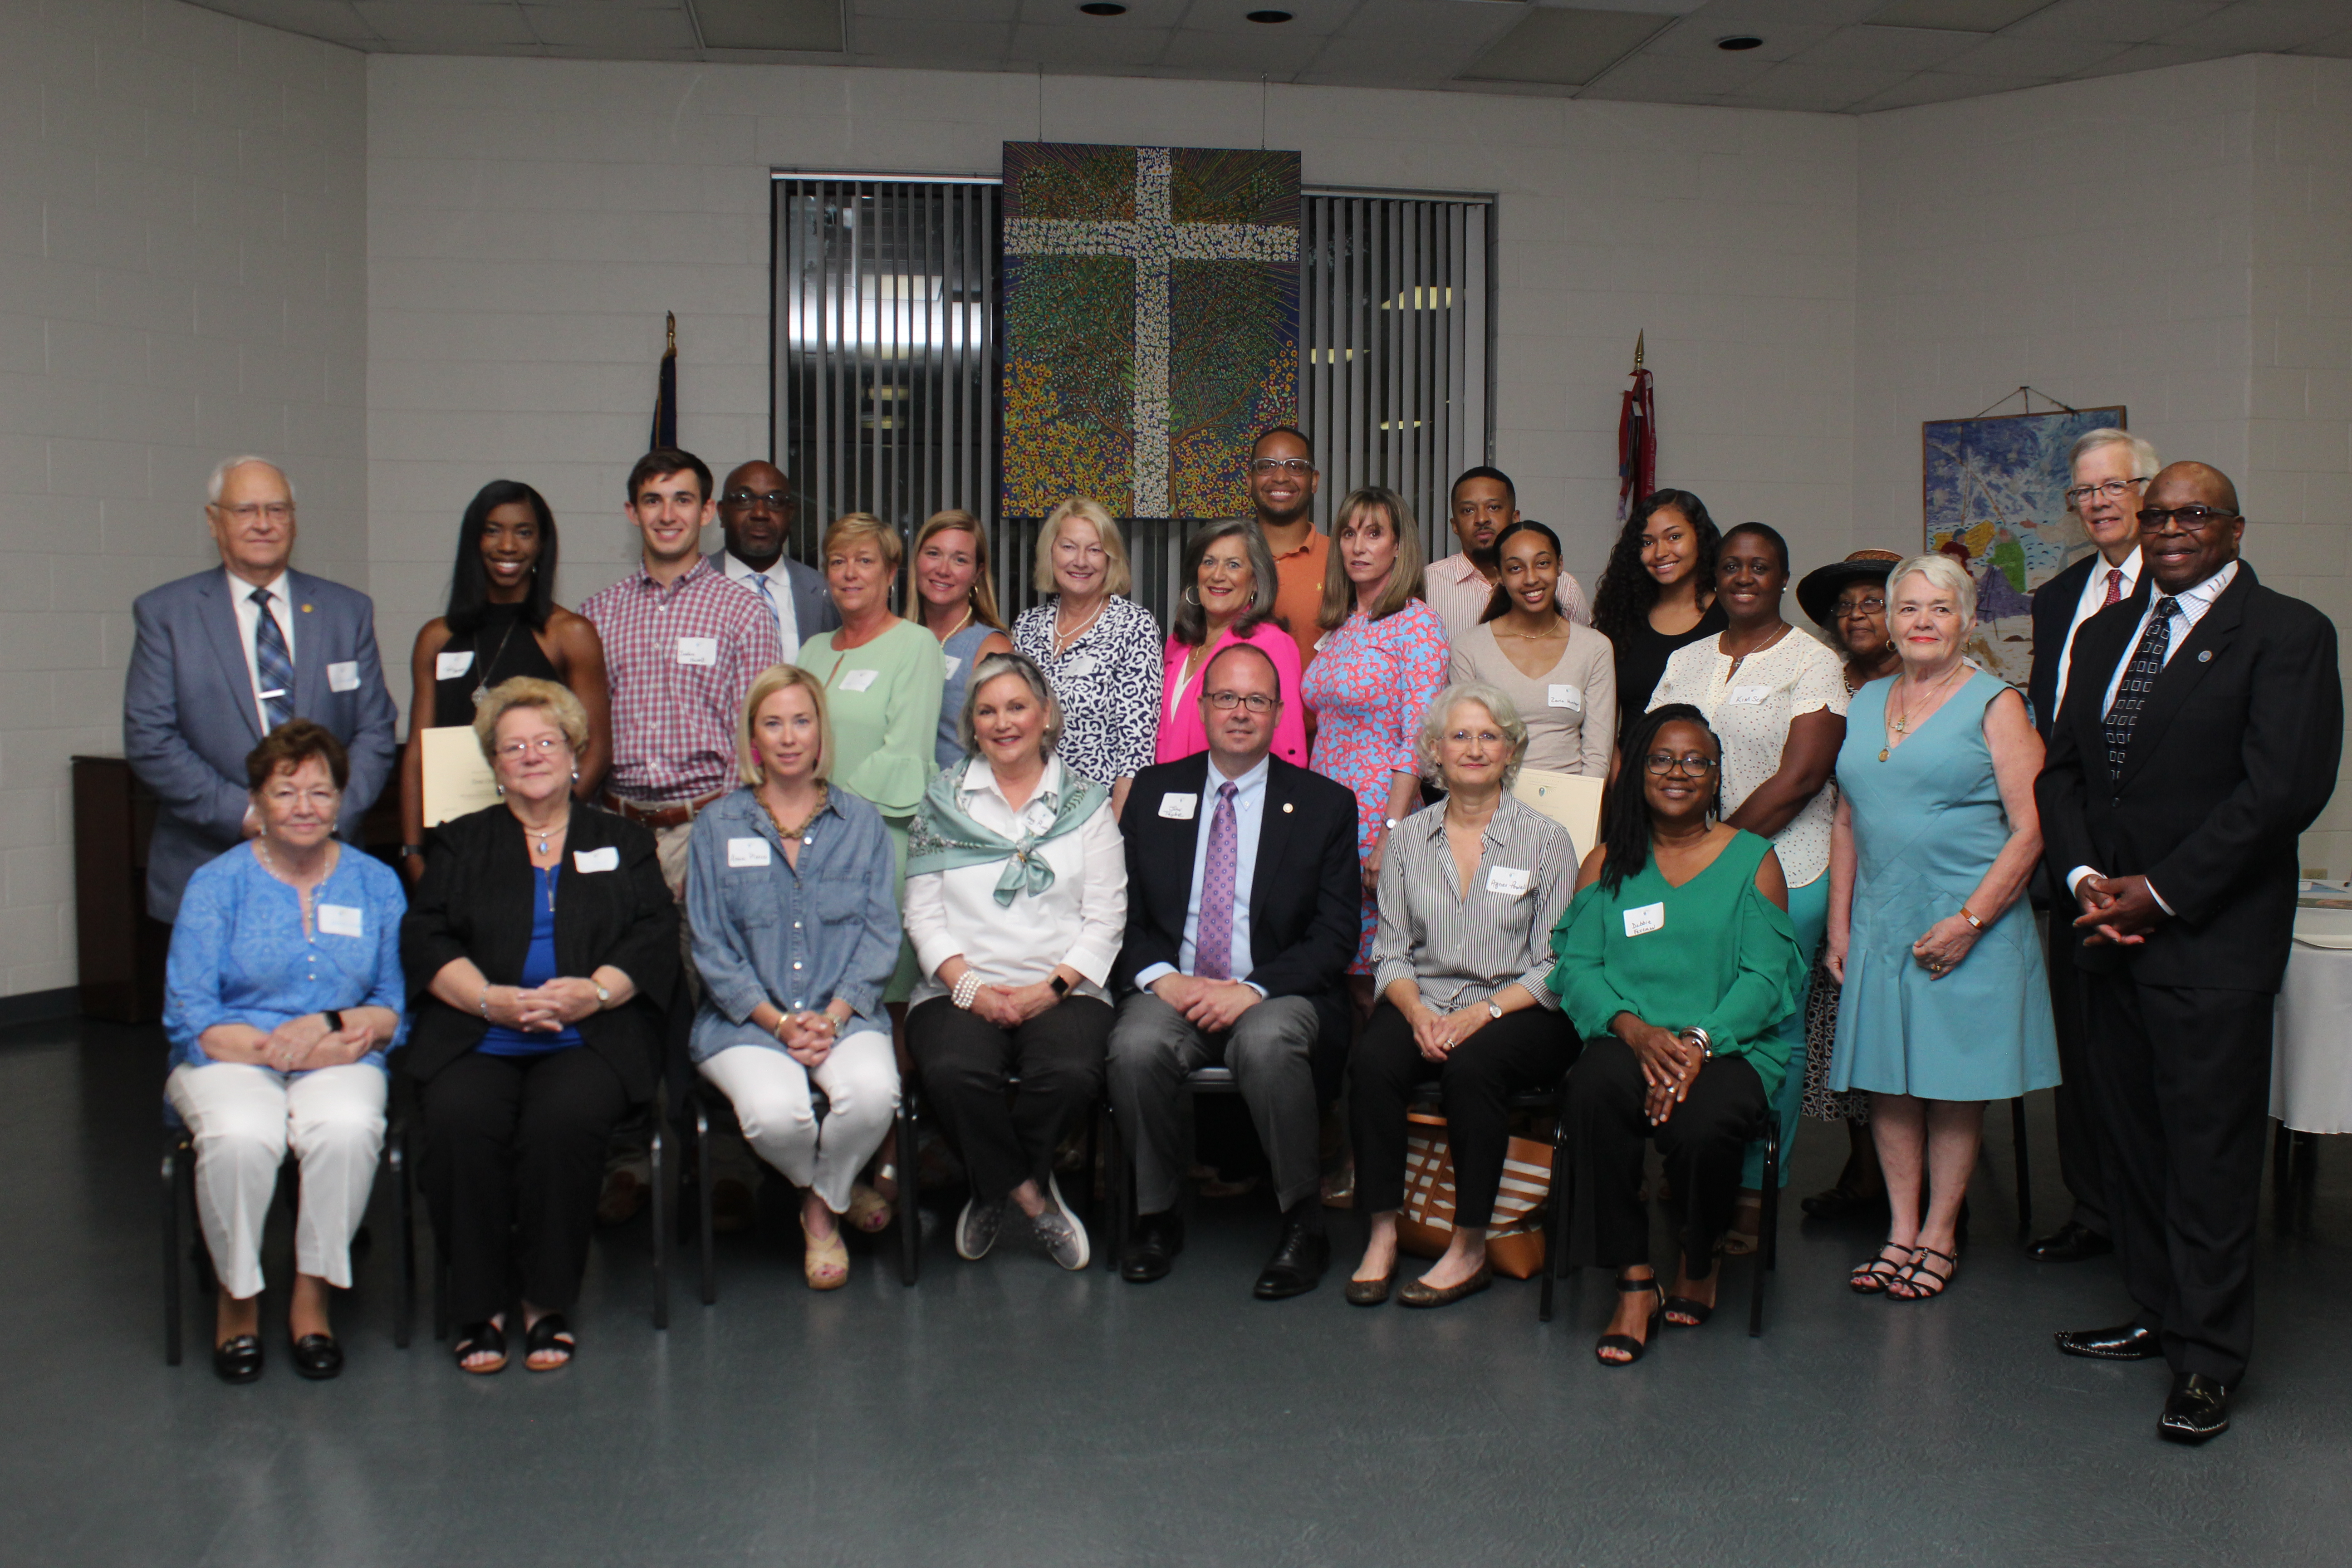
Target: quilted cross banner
x=1151 y=324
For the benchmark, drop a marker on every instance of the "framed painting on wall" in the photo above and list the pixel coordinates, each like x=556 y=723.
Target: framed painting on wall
x=1993 y=494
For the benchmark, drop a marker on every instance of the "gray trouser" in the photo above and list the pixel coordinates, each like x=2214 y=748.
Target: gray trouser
x=1153 y=1046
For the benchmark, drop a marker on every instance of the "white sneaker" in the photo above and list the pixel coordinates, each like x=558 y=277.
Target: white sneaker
x=976 y=1229
x=1059 y=1229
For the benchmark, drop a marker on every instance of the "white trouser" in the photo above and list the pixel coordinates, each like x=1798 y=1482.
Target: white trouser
x=769 y=1092
x=243 y=1118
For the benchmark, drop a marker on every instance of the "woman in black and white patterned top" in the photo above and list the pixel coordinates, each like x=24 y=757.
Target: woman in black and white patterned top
x=1098 y=647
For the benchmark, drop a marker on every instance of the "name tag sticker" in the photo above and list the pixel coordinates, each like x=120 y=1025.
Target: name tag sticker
x=1508 y=881
x=1749 y=696
x=343 y=676
x=341 y=920
x=1568 y=697
x=450 y=665
x=702 y=651
x=859 y=680
x=954 y=662
x=1180 y=806
x=608 y=859
x=1082 y=665
x=751 y=851
x=1645 y=920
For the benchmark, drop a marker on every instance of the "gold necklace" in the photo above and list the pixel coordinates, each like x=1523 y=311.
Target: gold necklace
x=791 y=833
x=1903 y=720
x=1065 y=641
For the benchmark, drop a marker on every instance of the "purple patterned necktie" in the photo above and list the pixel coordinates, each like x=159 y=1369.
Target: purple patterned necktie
x=1213 y=948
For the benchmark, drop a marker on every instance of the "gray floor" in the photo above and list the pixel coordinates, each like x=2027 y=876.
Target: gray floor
x=1007 y=1413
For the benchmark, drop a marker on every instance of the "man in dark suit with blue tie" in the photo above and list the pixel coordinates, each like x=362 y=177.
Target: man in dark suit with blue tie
x=2199 y=736
x=1242 y=895
x=223 y=657
x=2108 y=468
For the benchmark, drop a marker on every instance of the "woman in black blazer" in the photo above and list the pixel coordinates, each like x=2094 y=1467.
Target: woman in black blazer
x=539 y=948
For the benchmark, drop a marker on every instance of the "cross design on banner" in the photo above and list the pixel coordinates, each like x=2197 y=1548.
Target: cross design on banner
x=1153 y=239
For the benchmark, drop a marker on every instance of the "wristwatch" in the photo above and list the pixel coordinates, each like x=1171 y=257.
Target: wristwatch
x=604 y=997
x=1061 y=987
x=334 y=1020
x=1493 y=1010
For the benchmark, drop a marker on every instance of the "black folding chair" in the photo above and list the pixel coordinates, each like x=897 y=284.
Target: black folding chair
x=909 y=1221
x=179 y=1193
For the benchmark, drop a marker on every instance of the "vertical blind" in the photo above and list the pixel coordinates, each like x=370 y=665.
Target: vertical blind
x=885 y=374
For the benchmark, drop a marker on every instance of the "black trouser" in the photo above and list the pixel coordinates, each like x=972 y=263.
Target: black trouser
x=1518 y=1052
x=514 y=1157
x=2078 y=1140
x=1703 y=1142
x=965 y=1063
x=2180 y=1080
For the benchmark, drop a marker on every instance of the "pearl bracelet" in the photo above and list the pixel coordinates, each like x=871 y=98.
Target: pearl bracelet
x=966 y=989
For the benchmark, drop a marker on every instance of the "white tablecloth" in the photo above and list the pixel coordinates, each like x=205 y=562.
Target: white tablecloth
x=2311 y=1054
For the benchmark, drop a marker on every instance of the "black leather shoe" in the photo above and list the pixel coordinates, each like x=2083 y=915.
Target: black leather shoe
x=2197 y=1409
x=2125 y=1342
x=317 y=1357
x=238 y=1359
x=2070 y=1243
x=1297 y=1266
x=1153 y=1250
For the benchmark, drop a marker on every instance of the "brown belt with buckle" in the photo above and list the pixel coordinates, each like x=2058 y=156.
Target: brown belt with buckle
x=660 y=817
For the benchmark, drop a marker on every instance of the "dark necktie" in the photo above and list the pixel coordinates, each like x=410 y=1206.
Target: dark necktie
x=272 y=662
x=2139 y=677
x=1213 y=944
x=2115 y=586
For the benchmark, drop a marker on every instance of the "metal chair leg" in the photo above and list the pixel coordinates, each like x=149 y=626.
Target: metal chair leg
x=397 y=1157
x=664 y=1215
x=910 y=1193
x=702 y=1203
x=171 y=1309
x=1094 y=1166
x=1769 y=1223
x=1118 y=1186
x=2024 y=1171
x=1555 y=1222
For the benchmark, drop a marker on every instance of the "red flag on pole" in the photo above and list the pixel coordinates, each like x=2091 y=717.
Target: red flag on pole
x=1637 y=439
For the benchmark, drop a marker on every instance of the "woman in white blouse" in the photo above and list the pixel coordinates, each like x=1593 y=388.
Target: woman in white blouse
x=1016 y=904
x=1778 y=698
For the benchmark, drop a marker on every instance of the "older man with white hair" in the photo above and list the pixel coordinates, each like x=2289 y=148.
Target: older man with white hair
x=224 y=657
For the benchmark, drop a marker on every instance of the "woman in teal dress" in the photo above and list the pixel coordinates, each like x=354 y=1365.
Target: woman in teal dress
x=882 y=679
x=1675 y=961
x=1945 y=1003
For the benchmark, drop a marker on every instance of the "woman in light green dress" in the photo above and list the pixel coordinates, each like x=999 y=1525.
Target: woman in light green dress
x=882 y=679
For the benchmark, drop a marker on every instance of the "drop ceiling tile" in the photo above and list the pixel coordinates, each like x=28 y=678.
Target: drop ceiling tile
x=2047 y=58
x=2127 y=21
x=1962 y=16
x=978 y=45
x=1889 y=48
x=933 y=10
x=1651 y=78
x=1086 y=49
x=1563 y=47
x=2339 y=46
x=1937 y=87
x=447 y=23
x=1277 y=56
x=620 y=29
x=1320 y=17
x=334 y=20
x=1432 y=24
x=2141 y=57
x=1755 y=15
x=2257 y=26
x=1828 y=88
x=1694 y=36
x=1345 y=59
x=1161 y=13
x=763 y=25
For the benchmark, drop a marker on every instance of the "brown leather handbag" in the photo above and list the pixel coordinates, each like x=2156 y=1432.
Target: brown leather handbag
x=1515 y=1236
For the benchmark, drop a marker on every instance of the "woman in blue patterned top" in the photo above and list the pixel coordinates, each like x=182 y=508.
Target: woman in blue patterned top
x=282 y=995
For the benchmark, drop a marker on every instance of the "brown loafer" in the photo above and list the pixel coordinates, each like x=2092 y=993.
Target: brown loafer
x=1370 y=1292
x=1416 y=1294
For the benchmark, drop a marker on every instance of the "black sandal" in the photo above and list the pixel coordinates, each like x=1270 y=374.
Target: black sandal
x=1873 y=1277
x=549 y=1334
x=1627 y=1342
x=1924 y=1283
x=478 y=1337
x=1697 y=1311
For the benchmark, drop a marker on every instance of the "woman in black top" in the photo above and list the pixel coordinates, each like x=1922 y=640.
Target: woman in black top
x=502 y=622
x=1657 y=594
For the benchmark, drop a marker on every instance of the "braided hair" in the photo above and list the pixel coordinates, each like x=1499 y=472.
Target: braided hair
x=1627 y=590
x=1625 y=824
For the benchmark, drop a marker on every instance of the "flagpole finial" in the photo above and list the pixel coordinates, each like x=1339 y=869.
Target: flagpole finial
x=1638 y=339
x=673 y=331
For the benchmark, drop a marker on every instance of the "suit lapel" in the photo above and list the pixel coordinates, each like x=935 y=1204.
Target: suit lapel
x=2185 y=669
x=219 y=616
x=1272 y=836
x=2100 y=644
x=309 y=668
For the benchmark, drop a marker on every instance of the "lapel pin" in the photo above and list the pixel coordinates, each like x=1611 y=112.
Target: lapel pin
x=306 y=609
x=2205 y=655
x=1286 y=808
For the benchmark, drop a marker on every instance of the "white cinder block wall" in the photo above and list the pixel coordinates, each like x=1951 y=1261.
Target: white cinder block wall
x=531 y=221
x=183 y=239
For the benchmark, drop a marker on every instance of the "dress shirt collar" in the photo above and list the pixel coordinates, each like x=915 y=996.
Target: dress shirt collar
x=240 y=592
x=1313 y=536
x=1498 y=831
x=2195 y=602
x=1249 y=783
x=644 y=578
x=743 y=572
x=2130 y=566
x=979 y=778
x=1459 y=569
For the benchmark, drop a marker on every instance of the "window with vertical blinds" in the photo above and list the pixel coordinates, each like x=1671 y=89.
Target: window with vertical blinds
x=886 y=374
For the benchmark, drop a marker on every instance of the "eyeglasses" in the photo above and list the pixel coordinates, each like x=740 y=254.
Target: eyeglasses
x=1848 y=608
x=275 y=511
x=2105 y=489
x=1690 y=763
x=1293 y=466
x=776 y=500
x=544 y=745
x=2192 y=519
x=1226 y=701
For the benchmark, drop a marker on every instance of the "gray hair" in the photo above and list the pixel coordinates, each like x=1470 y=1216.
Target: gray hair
x=2143 y=463
x=221 y=472
x=1944 y=574
x=1499 y=708
x=1023 y=666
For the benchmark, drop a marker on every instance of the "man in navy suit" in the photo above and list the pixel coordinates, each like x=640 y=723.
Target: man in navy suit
x=2110 y=470
x=755 y=513
x=224 y=658
x=1241 y=898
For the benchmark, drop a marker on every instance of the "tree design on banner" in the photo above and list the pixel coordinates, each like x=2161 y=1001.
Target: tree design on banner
x=1151 y=324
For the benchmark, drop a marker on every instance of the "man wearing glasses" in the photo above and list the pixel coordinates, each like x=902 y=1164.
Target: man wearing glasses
x=224 y=658
x=2198 y=737
x=755 y=514
x=2109 y=468
x=1282 y=481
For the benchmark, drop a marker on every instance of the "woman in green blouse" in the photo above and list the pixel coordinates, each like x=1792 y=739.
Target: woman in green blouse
x=882 y=677
x=1677 y=958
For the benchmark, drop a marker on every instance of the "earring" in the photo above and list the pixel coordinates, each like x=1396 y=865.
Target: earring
x=1190 y=599
x=575 y=775
x=501 y=789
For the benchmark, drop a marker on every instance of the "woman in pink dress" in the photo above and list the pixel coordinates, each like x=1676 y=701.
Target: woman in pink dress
x=1228 y=597
x=1382 y=661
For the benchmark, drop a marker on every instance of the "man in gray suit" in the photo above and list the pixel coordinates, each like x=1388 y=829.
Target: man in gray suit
x=755 y=514
x=223 y=657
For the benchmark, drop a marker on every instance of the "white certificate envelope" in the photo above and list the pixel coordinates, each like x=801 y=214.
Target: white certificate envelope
x=456 y=778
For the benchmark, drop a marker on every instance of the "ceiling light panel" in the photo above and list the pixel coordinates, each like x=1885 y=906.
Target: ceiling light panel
x=769 y=23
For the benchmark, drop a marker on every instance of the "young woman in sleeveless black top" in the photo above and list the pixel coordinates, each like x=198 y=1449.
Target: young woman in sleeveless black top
x=502 y=622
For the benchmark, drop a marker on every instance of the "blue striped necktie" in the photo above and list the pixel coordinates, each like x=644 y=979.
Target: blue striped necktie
x=272 y=662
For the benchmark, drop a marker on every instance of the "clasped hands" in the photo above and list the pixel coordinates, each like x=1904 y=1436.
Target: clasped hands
x=1670 y=1063
x=1010 y=1006
x=1212 y=1006
x=303 y=1043
x=546 y=1008
x=1436 y=1034
x=2121 y=910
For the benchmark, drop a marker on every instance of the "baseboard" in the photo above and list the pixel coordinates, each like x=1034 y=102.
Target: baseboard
x=40 y=1006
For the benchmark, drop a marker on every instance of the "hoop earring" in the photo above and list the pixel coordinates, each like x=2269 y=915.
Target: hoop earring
x=575 y=775
x=1190 y=599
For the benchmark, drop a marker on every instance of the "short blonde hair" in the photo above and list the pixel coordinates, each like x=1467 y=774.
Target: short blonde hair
x=1025 y=669
x=1118 y=576
x=1944 y=574
x=984 y=575
x=856 y=525
x=1499 y=708
x=530 y=691
x=1404 y=584
x=774 y=678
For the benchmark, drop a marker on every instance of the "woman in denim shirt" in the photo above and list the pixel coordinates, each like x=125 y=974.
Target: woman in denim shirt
x=789 y=887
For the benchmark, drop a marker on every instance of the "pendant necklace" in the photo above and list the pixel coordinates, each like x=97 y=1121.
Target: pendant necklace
x=1903 y=720
x=1065 y=641
x=482 y=674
